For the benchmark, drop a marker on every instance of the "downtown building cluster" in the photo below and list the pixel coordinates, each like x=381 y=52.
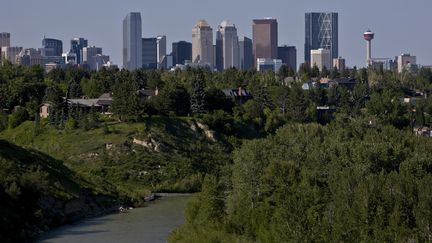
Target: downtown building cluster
x=51 y=54
x=223 y=48
x=218 y=50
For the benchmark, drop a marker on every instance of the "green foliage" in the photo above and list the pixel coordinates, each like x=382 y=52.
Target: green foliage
x=346 y=182
x=126 y=103
x=4 y=121
x=173 y=98
x=198 y=97
x=220 y=121
x=19 y=116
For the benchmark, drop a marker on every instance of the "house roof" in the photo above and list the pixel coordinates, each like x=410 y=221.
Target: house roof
x=106 y=96
x=237 y=92
x=84 y=102
x=146 y=92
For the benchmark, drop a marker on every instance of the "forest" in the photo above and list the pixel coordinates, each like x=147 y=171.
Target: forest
x=268 y=167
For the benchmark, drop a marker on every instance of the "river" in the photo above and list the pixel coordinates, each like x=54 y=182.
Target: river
x=152 y=224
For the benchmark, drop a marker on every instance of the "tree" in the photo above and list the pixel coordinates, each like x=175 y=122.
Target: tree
x=325 y=72
x=173 y=98
x=285 y=71
x=198 y=97
x=305 y=72
x=315 y=72
x=19 y=116
x=126 y=103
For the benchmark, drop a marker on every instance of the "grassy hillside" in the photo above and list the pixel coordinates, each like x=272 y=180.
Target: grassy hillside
x=169 y=154
x=38 y=192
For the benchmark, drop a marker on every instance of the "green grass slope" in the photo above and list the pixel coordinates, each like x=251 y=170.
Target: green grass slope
x=172 y=154
x=38 y=192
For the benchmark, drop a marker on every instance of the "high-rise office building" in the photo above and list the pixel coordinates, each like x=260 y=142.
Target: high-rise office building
x=288 y=55
x=265 y=38
x=268 y=64
x=93 y=58
x=132 y=41
x=149 y=53
x=202 y=43
x=52 y=47
x=10 y=53
x=405 y=62
x=161 y=51
x=227 y=34
x=321 y=58
x=77 y=45
x=4 y=39
x=29 y=57
x=321 y=31
x=218 y=51
x=89 y=52
x=245 y=53
x=181 y=52
x=339 y=64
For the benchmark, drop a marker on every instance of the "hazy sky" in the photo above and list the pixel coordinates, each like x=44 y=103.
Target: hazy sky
x=400 y=26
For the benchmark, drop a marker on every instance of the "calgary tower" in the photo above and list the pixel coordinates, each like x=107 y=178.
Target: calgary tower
x=368 y=36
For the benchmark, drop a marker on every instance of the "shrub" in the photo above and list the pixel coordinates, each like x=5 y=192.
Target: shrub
x=19 y=116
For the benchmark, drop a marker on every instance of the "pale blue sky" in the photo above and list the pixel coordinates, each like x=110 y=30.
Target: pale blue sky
x=400 y=25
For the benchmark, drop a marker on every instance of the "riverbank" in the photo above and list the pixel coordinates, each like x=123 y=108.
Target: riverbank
x=152 y=223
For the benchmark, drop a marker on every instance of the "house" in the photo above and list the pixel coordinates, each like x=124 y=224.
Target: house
x=44 y=110
x=240 y=95
x=422 y=131
x=146 y=94
x=101 y=104
x=348 y=83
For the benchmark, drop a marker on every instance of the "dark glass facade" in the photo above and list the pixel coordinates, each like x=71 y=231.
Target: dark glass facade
x=149 y=53
x=181 y=51
x=288 y=55
x=246 y=56
x=77 y=46
x=321 y=31
x=52 y=47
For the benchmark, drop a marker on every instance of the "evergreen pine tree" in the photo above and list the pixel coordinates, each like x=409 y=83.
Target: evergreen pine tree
x=198 y=97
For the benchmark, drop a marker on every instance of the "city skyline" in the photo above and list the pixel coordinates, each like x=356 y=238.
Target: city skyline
x=354 y=19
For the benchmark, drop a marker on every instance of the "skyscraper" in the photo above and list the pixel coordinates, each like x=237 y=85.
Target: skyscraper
x=10 y=53
x=77 y=45
x=52 y=47
x=132 y=42
x=265 y=38
x=218 y=48
x=149 y=53
x=227 y=33
x=89 y=52
x=93 y=58
x=321 y=58
x=404 y=61
x=245 y=53
x=288 y=55
x=181 y=51
x=4 y=39
x=321 y=31
x=161 y=51
x=202 y=43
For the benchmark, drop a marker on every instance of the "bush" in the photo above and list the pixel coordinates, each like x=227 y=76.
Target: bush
x=71 y=124
x=219 y=121
x=3 y=121
x=19 y=116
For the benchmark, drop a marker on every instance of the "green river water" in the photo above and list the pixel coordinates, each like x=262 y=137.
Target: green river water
x=151 y=224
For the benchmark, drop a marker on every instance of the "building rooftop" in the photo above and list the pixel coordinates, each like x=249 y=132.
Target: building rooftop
x=202 y=23
x=226 y=23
